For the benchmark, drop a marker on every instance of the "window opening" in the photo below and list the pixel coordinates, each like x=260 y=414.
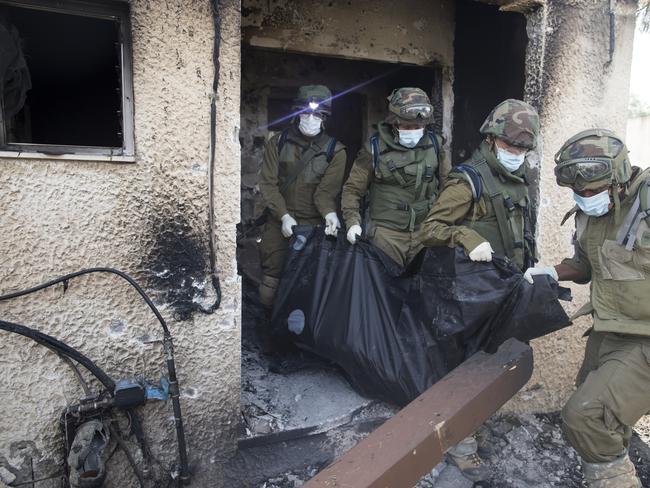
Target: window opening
x=78 y=87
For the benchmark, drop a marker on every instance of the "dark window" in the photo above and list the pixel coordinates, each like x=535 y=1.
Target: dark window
x=67 y=83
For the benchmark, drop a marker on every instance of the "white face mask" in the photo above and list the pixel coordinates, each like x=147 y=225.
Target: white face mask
x=510 y=161
x=594 y=206
x=310 y=124
x=410 y=138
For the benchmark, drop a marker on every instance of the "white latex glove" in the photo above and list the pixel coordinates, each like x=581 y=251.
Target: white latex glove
x=542 y=270
x=353 y=233
x=287 y=223
x=332 y=224
x=482 y=252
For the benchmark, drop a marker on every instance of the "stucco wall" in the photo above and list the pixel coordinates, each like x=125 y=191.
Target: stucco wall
x=149 y=219
x=581 y=88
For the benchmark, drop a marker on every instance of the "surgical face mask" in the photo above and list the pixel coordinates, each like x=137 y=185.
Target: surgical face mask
x=410 y=138
x=594 y=206
x=310 y=124
x=510 y=161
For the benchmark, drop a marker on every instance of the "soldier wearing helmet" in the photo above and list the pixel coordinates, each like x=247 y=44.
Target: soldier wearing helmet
x=612 y=252
x=301 y=178
x=401 y=168
x=484 y=206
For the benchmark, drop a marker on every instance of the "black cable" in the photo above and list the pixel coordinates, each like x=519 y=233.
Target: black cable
x=65 y=278
x=60 y=347
x=168 y=345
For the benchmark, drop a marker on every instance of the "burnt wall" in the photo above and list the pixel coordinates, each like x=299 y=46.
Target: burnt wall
x=150 y=219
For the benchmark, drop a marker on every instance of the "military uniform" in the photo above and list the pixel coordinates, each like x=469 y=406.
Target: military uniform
x=402 y=185
x=484 y=202
x=612 y=252
x=613 y=394
x=307 y=197
x=459 y=218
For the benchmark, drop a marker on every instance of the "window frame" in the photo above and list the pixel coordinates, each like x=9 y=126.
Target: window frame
x=117 y=10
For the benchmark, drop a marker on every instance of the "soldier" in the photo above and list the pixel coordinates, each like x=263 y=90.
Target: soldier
x=484 y=207
x=300 y=181
x=401 y=168
x=612 y=251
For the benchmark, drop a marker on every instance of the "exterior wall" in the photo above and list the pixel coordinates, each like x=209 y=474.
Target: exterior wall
x=637 y=140
x=149 y=219
x=581 y=89
x=412 y=31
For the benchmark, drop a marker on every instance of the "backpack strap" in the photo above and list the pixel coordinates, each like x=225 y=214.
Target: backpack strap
x=473 y=178
x=434 y=143
x=640 y=210
x=331 y=147
x=282 y=139
x=374 y=146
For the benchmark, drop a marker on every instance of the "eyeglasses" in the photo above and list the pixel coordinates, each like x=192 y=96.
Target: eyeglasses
x=412 y=112
x=588 y=169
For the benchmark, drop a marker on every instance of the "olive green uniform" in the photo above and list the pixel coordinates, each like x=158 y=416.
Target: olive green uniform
x=308 y=198
x=457 y=218
x=614 y=389
x=401 y=189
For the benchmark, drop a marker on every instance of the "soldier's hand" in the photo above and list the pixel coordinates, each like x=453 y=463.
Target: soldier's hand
x=541 y=270
x=287 y=225
x=482 y=252
x=332 y=224
x=354 y=232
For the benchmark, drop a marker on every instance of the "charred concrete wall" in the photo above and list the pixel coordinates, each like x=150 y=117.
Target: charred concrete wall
x=413 y=31
x=582 y=75
x=149 y=219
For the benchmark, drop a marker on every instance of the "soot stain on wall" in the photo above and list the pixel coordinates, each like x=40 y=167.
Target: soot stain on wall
x=177 y=264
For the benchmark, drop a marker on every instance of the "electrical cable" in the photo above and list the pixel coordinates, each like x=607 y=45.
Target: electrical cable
x=174 y=389
x=60 y=347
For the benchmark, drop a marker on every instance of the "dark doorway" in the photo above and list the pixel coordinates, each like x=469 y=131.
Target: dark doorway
x=269 y=83
x=490 y=66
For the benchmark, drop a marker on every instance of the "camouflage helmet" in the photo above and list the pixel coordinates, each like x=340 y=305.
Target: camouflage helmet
x=592 y=159
x=515 y=122
x=313 y=99
x=409 y=104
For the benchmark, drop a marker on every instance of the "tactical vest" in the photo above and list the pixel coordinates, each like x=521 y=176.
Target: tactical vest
x=307 y=160
x=405 y=183
x=507 y=224
x=619 y=256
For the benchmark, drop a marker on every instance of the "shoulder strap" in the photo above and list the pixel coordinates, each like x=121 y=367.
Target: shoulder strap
x=282 y=139
x=473 y=178
x=434 y=143
x=330 y=150
x=498 y=203
x=374 y=146
x=640 y=211
x=305 y=158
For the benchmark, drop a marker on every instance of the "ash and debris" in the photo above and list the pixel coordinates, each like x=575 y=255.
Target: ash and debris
x=297 y=392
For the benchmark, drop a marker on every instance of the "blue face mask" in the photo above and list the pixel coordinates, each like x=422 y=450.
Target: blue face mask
x=510 y=161
x=594 y=206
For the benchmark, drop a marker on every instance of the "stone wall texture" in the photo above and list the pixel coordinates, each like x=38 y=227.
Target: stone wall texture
x=149 y=219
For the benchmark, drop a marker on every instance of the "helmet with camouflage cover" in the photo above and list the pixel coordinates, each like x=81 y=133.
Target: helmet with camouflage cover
x=514 y=121
x=313 y=99
x=592 y=159
x=409 y=104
